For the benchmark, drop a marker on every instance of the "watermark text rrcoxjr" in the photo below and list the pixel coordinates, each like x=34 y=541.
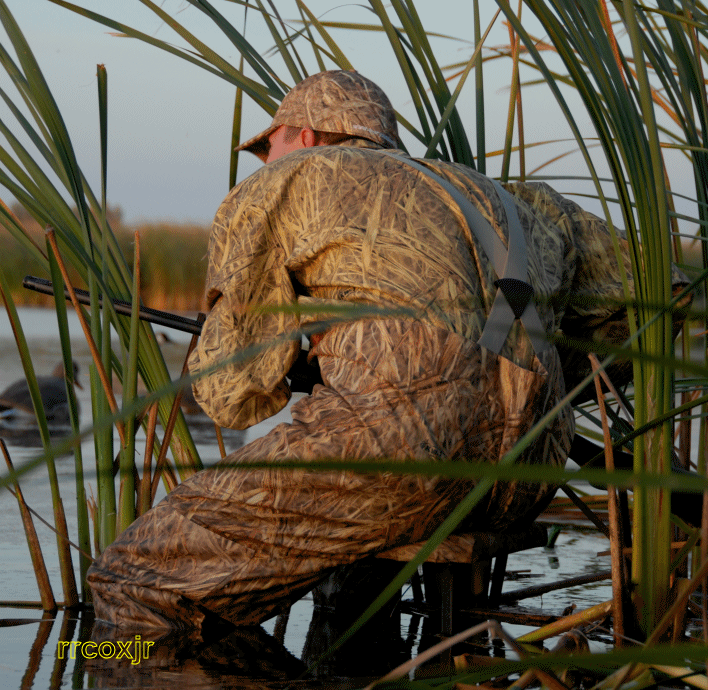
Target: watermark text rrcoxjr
x=136 y=650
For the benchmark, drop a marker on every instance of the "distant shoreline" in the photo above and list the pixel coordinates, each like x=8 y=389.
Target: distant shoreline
x=173 y=262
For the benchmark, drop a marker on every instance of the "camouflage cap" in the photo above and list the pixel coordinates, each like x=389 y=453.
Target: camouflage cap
x=337 y=101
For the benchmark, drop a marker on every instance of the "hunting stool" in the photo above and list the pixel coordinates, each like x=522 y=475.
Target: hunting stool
x=457 y=575
x=459 y=572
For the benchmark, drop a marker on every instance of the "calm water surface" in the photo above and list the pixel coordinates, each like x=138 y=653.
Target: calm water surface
x=29 y=646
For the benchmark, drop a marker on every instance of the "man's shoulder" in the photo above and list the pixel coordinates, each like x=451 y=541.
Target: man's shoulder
x=362 y=161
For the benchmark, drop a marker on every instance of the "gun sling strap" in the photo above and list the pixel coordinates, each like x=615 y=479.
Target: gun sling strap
x=514 y=298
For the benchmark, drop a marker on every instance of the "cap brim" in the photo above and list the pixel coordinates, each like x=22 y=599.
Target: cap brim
x=258 y=145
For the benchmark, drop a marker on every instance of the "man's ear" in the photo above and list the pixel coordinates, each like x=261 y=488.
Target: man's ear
x=307 y=137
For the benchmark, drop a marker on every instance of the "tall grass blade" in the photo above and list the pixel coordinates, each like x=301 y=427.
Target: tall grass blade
x=40 y=569
x=311 y=39
x=450 y=108
x=65 y=562
x=265 y=72
x=417 y=37
x=413 y=82
x=282 y=45
x=103 y=439
x=335 y=53
x=480 y=125
x=236 y=133
x=126 y=506
x=652 y=536
x=84 y=536
x=513 y=100
x=81 y=238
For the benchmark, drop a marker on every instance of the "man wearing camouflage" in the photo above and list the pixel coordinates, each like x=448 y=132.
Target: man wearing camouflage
x=333 y=222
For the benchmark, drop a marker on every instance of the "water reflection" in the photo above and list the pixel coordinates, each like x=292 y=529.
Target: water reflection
x=241 y=658
x=93 y=654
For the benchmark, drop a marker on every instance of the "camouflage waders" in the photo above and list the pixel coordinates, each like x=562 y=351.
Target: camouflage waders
x=244 y=544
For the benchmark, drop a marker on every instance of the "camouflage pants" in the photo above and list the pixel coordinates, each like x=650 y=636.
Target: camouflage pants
x=243 y=544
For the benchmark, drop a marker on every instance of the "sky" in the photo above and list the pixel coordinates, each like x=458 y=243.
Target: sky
x=169 y=122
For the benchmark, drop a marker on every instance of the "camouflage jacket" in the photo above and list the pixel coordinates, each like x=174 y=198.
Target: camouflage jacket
x=342 y=226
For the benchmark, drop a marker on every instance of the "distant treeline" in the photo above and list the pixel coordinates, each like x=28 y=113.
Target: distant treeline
x=172 y=261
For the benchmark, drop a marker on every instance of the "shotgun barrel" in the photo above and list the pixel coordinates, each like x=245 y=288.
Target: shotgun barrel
x=161 y=318
x=302 y=374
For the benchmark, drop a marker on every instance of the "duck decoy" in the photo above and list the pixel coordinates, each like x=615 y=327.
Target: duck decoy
x=16 y=409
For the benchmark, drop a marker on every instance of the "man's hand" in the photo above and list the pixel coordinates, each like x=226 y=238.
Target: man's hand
x=303 y=375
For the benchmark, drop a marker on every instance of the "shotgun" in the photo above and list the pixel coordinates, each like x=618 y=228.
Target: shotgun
x=161 y=318
x=303 y=375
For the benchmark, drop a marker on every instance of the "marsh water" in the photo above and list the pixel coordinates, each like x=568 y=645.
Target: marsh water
x=31 y=651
